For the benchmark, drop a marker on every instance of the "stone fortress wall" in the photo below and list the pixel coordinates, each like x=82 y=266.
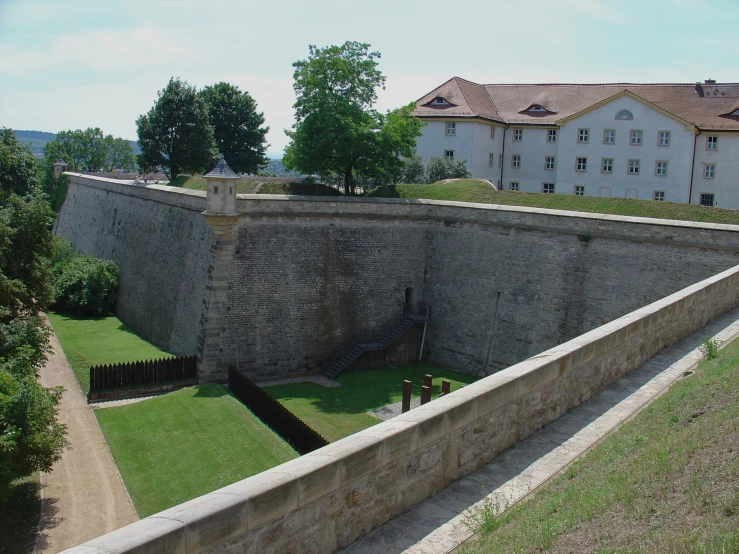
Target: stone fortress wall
x=304 y=275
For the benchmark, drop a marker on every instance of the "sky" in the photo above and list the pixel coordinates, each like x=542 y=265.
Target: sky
x=72 y=64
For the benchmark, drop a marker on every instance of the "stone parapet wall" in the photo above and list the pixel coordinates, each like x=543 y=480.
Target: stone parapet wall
x=323 y=501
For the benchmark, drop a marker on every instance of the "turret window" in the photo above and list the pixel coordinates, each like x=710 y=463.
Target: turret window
x=624 y=114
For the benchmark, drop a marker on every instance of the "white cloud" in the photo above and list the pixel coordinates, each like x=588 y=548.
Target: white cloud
x=142 y=47
x=595 y=9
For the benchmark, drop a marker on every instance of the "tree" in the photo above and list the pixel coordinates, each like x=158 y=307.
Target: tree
x=31 y=438
x=414 y=172
x=176 y=134
x=120 y=155
x=336 y=129
x=438 y=169
x=18 y=167
x=237 y=127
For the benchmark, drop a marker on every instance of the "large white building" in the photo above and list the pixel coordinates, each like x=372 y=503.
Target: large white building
x=673 y=142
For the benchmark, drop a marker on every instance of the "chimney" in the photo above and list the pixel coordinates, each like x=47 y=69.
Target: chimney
x=699 y=89
x=709 y=82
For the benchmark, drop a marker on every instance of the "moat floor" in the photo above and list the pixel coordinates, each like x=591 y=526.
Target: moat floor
x=438 y=525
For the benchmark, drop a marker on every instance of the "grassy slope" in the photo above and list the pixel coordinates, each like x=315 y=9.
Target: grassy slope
x=104 y=340
x=187 y=443
x=667 y=481
x=257 y=187
x=473 y=191
x=338 y=412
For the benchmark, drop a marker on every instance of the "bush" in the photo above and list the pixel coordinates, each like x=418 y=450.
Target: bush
x=413 y=171
x=443 y=168
x=85 y=286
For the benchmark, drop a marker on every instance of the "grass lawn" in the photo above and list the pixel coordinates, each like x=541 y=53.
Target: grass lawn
x=339 y=412
x=19 y=517
x=105 y=340
x=474 y=191
x=259 y=187
x=667 y=481
x=187 y=443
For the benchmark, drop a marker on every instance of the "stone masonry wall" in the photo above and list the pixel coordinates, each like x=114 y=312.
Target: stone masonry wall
x=162 y=246
x=325 y=500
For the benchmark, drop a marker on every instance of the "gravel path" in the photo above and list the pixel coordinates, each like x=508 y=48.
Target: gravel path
x=83 y=497
x=392 y=410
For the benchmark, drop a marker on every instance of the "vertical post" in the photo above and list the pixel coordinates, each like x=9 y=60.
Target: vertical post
x=427 y=380
x=406 y=405
x=446 y=387
x=425 y=394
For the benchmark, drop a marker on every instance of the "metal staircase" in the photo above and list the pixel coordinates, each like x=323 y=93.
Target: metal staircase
x=358 y=347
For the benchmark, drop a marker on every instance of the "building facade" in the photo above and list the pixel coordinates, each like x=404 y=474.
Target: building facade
x=668 y=142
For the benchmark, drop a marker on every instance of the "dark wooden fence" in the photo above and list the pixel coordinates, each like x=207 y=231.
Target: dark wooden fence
x=281 y=420
x=147 y=372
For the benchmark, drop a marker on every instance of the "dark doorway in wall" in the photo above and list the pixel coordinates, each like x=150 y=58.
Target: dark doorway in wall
x=409 y=297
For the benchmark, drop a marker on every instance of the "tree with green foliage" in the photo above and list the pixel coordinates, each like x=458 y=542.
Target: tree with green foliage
x=18 y=167
x=336 y=128
x=176 y=134
x=438 y=169
x=120 y=155
x=238 y=127
x=414 y=171
x=31 y=438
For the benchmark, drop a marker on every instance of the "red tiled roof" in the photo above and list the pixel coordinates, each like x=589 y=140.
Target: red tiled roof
x=505 y=103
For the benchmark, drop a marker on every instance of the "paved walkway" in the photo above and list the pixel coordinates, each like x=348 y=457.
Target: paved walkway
x=438 y=525
x=83 y=497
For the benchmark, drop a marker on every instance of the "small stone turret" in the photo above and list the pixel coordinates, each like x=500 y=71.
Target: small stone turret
x=221 y=195
x=60 y=167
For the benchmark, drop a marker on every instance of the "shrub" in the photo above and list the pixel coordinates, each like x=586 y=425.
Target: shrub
x=443 y=168
x=413 y=170
x=61 y=251
x=85 y=285
x=709 y=348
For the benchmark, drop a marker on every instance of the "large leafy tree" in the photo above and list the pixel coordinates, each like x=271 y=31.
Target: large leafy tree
x=176 y=134
x=336 y=129
x=18 y=168
x=238 y=127
x=31 y=438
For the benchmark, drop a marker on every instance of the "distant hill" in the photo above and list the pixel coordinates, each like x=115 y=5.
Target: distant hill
x=36 y=140
x=275 y=167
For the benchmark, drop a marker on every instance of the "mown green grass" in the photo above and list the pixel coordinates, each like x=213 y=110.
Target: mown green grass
x=94 y=341
x=339 y=412
x=667 y=481
x=259 y=187
x=187 y=443
x=475 y=191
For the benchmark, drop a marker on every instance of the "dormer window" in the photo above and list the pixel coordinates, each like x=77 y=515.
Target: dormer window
x=735 y=112
x=537 y=108
x=440 y=102
x=624 y=114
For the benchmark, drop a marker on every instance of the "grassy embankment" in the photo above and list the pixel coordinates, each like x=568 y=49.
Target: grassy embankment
x=260 y=187
x=187 y=443
x=87 y=342
x=338 y=412
x=475 y=191
x=667 y=481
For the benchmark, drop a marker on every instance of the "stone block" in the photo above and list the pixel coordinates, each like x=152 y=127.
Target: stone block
x=152 y=535
x=269 y=495
x=399 y=439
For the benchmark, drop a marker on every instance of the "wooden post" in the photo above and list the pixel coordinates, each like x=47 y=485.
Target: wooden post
x=406 y=405
x=425 y=394
x=427 y=380
x=446 y=387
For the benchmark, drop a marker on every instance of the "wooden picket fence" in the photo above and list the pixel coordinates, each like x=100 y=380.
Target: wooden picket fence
x=146 y=372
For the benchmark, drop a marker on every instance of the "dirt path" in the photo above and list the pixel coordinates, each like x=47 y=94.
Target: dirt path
x=83 y=497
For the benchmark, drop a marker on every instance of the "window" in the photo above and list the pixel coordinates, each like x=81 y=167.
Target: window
x=707 y=199
x=660 y=168
x=537 y=108
x=449 y=154
x=549 y=164
x=440 y=101
x=582 y=164
x=517 y=135
x=579 y=190
x=659 y=195
x=583 y=135
x=451 y=129
x=606 y=165
x=514 y=185
x=491 y=159
x=636 y=138
x=663 y=138
x=516 y=161
x=634 y=166
x=547 y=188
x=492 y=131
x=609 y=136
x=709 y=171
x=552 y=135
x=215 y=190
x=624 y=114
x=712 y=142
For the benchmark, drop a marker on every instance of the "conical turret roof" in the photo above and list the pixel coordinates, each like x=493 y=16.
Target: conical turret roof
x=222 y=171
